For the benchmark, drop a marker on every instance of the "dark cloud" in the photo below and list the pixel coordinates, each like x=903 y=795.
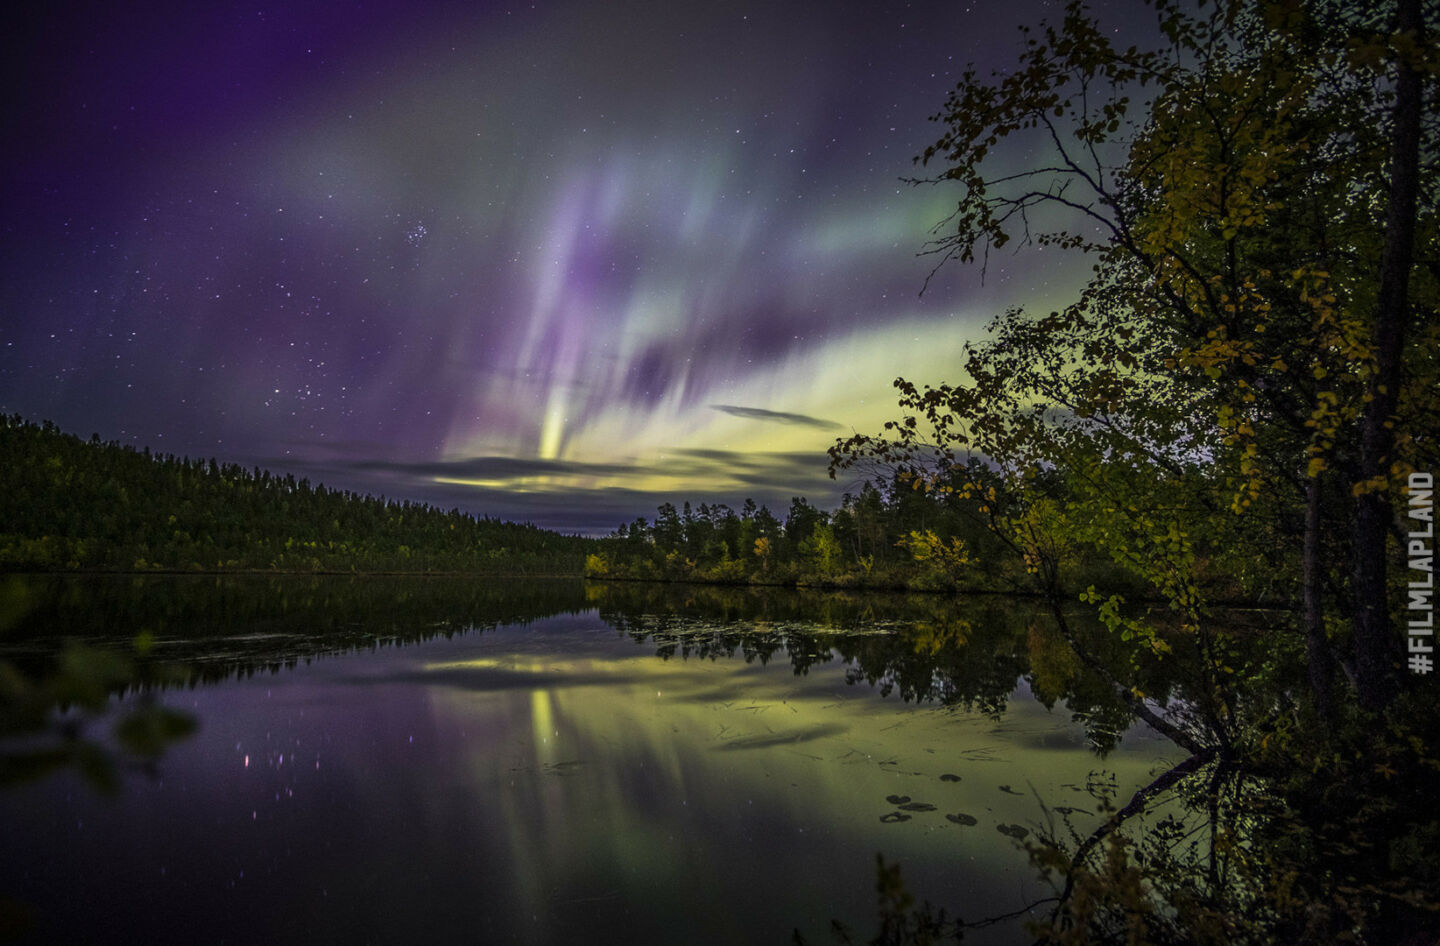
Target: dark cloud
x=798 y=460
x=496 y=468
x=505 y=486
x=779 y=417
x=746 y=467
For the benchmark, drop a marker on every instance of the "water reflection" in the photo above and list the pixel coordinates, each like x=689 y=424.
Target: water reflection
x=611 y=763
x=970 y=653
x=227 y=625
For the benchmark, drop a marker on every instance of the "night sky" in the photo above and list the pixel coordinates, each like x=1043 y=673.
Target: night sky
x=555 y=262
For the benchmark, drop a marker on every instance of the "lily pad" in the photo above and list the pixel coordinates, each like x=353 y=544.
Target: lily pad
x=1013 y=830
x=1007 y=788
x=894 y=817
x=948 y=777
x=897 y=799
x=962 y=818
x=917 y=806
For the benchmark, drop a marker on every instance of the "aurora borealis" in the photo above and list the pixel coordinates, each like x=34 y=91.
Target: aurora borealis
x=554 y=262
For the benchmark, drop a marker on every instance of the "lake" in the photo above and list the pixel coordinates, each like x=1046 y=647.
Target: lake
x=426 y=760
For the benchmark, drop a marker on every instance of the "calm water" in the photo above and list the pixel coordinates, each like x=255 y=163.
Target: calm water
x=551 y=764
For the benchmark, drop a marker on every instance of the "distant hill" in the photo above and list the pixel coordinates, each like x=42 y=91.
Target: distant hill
x=72 y=504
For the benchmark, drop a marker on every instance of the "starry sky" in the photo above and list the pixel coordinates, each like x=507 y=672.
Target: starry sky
x=554 y=262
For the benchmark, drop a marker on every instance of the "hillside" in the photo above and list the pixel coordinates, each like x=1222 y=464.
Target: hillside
x=72 y=504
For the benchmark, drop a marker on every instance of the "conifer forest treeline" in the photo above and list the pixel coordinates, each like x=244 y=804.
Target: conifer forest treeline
x=70 y=504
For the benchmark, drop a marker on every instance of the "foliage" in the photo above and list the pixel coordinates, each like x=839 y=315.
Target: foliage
x=888 y=535
x=68 y=504
x=48 y=715
x=1230 y=405
x=1219 y=366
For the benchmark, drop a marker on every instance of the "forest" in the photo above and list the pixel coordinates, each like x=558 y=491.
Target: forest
x=72 y=504
x=887 y=535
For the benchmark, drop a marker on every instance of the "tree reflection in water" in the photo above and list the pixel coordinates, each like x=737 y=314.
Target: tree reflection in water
x=1232 y=843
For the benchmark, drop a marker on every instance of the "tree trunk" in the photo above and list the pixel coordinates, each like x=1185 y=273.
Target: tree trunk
x=1317 y=648
x=1376 y=651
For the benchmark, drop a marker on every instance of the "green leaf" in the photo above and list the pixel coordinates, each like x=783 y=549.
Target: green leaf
x=149 y=731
